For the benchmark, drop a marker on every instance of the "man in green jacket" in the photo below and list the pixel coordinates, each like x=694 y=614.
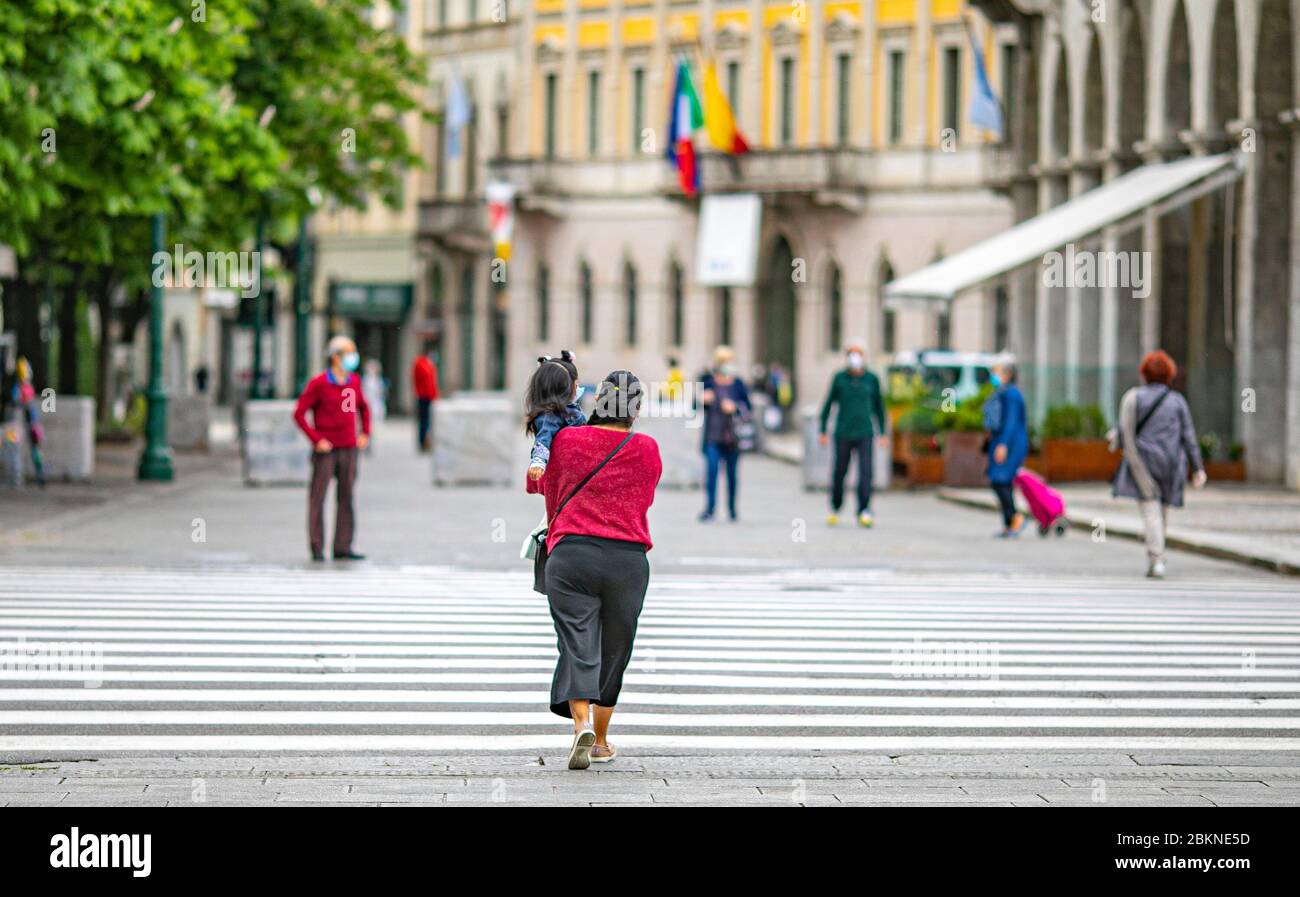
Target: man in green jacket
x=856 y=392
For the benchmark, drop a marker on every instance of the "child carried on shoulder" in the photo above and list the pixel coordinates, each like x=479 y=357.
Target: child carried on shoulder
x=550 y=405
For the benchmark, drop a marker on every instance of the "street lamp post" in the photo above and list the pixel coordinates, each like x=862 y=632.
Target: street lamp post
x=156 y=462
x=255 y=390
x=302 y=308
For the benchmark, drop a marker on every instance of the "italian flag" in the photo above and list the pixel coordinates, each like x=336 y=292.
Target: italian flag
x=684 y=119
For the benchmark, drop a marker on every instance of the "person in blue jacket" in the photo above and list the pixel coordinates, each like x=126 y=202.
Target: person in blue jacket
x=1008 y=445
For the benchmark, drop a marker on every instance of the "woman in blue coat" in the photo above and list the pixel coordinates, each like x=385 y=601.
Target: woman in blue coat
x=1008 y=446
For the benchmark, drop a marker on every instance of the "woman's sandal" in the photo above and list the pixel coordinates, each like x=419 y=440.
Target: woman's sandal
x=603 y=754
x=580 y=754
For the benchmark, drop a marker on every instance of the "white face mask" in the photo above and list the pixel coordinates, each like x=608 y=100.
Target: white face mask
x=856 y=360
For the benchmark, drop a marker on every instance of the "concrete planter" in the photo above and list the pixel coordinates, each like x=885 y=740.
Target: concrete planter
x=679 y=445
x=478 y=440
x=275 y=452
x=818 y=459
x=188 y=420
x=925 y=470
x=68 y=452
x=964 y=462
x=1079 y=460
x=1225 y=471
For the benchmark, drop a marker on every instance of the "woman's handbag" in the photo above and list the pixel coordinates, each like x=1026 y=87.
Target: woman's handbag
x=539 y=535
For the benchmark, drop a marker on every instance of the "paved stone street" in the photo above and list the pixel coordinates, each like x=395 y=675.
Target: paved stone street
x=778 y=662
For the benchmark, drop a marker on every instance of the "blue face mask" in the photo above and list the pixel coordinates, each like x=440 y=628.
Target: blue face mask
x=351 y=361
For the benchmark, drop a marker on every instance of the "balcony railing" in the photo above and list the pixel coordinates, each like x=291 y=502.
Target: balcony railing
x=457 y=223
x=816 y=172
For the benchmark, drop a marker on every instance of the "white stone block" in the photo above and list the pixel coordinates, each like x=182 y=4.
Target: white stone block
x=680 y=443
x=818 y=458
x=188 y=419
x=68 y=452
x=478 y=440
x=274 y=450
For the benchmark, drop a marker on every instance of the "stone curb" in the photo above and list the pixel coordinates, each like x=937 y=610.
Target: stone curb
x=1172 y=539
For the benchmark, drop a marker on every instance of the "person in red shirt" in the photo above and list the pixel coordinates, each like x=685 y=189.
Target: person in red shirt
x=424 y=377
x=596 y=569
x=335 y=401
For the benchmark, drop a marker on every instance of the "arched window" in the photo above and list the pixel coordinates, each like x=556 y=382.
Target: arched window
x=888 y=319
x=677 y=304
x=543 y=302
x=629 y=298
x=834 y=308
x=585 y=302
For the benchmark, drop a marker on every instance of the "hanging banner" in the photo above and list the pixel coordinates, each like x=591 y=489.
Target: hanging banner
x=501 y=217
x=727 y=248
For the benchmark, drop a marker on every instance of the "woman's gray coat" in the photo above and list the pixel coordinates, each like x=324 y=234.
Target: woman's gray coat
x=1165 y=444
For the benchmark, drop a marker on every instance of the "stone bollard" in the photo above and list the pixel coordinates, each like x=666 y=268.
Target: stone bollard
x=678 y=432
x=818 y=458
x=188 y=421
x=275 y=452
x=478 y=440
x=68 y=452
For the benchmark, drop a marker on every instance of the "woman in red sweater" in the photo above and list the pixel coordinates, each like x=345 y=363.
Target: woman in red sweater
x=596 y=570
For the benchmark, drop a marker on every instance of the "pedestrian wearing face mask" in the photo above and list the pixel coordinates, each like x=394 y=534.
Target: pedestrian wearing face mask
x=725 y=401
x=335 y=401
x=855 y=392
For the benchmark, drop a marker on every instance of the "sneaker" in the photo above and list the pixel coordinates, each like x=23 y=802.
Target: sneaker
x=832 y=519
x=580 y=753
x=706 y=516
x=603 y=754
x=865 y=519
x=1156 y=570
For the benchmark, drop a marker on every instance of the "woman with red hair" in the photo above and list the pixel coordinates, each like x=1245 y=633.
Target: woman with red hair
x=1158 y=440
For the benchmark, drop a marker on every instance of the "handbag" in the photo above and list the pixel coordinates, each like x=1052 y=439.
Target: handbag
x=539 y=535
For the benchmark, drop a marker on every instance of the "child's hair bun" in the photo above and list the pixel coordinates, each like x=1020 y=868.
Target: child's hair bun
x=568 y=356
x=542 y=359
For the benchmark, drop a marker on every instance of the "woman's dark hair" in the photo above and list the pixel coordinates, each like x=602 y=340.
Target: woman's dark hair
x=550 y=388
x=618 y=400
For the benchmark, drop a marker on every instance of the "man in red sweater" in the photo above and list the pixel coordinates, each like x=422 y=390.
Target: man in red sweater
x=424 y=377
x=335 y=400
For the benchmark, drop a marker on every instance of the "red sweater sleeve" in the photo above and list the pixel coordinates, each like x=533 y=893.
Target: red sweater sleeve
x=307 y=402
x=433 y=381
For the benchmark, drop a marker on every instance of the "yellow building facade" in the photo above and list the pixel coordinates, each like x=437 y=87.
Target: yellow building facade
x=862 y=158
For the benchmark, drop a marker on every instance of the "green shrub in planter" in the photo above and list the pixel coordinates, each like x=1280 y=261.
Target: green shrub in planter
x=918 y=420
x=1071 y=421
x=968 y=416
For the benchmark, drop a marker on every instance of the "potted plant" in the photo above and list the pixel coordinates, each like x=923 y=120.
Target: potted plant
x=917 y=434
x=1223 y=461
x=964 y=460
x=1075 y=446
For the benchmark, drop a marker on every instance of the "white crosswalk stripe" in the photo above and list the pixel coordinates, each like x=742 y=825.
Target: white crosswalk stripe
x=132 y=660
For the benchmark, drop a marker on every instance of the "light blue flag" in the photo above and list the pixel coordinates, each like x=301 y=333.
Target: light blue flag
x=984 y=112
x=457 y=114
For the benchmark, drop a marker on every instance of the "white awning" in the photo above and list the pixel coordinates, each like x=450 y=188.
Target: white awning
x=1118 y=203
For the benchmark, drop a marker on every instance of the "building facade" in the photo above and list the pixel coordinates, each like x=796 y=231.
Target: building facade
x=861 y=155
x=1126 y=83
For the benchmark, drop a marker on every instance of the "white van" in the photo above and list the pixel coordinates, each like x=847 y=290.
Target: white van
x=940 y=369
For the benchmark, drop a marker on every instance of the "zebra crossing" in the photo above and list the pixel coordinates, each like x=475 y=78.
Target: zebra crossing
x=122 y=661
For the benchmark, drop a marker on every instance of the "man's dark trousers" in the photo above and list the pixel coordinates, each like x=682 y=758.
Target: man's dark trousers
x=424 y=411
x=340 y=464
x=843 y=449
